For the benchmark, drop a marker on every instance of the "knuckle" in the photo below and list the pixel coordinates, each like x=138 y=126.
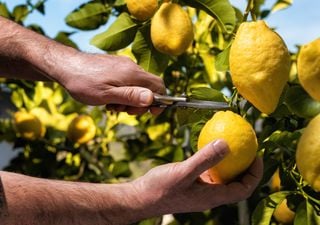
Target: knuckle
x=130 y=94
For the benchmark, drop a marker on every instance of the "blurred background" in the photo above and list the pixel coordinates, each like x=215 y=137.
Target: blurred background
x=297 y=24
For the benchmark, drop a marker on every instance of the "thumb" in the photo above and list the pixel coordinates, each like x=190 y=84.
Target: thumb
x=131 y=96
x=208 y=156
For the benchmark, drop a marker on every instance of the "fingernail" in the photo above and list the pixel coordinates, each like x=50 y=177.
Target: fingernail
x=145 y=98
x=221 y=148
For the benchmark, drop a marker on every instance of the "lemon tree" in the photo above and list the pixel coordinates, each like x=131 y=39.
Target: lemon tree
x=204 y=49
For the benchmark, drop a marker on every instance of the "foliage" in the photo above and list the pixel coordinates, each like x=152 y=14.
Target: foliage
x=126 y=146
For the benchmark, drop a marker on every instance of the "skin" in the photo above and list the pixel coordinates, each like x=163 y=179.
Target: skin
x=118 y=82
x=93 y=79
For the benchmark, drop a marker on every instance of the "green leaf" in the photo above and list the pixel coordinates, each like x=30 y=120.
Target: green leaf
x=205 y=93
x=285 y=138
x=222 y=60
x=281 y=4
x=119 y=35
x=39 y=6
x=263 y=212
x=151 y=221
x=195 y=131
x=63 y=37
x=38 y=93
x=270 y=166
x=4 y=12
x=300 y=103
x=147 y=56
x=306 y=215
x=20 y=12
x=187 y=116
x=88 y=16
x=119 y=3
x=121 y=168
x=16 y=99
x=221 y=10
x=36 y=28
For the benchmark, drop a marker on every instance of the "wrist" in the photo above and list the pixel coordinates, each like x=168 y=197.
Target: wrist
x=134 y=202
x=48 y=56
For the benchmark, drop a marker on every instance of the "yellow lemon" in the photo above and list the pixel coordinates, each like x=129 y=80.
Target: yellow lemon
x=275 y=181
x=171 y=29
x=308 y=154
x=309 y=68
x=81 y=129
x=28 y=126
x=283 y=214
x=142 y=9
x=241 y=139
x=259 y=65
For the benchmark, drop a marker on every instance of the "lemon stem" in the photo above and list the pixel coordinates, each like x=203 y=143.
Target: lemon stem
x=300 y=187
x=248 y=10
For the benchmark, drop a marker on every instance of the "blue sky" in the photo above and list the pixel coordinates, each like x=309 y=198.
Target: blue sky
x=297 y=24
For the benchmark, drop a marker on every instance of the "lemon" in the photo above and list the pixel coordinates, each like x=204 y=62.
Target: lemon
x=171 y=29
x=275 y=182
x=283 y=214
x=241 y=139
x=28 y=126
x=142 y=9
x=81 y=129
x=309 y=68
x=308 y=153
x=259 y=65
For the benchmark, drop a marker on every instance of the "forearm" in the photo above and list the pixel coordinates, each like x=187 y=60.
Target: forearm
x=26 y=200
x=25 y=54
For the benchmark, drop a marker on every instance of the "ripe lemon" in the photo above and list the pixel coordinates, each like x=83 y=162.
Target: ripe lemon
x=259 y=65
x=241 y=139
x=171 y=29
x=81 y=129
x=308 y=154
x=28 y=126
x=309 y=68
x=142 y=9
x=275 y=182
x=283 y=214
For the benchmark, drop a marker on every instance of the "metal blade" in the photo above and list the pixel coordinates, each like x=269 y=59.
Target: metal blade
x=202 y=105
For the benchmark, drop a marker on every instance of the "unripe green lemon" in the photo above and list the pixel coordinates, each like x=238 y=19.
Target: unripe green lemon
x=28 y=126
x=81 y=129
x=308 y=154
x=309 y=68
x=171 y=29
x=142 y=9
x=241 y=139
x=259 y=65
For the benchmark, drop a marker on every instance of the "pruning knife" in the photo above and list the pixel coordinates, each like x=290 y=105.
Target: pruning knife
x=165 y=101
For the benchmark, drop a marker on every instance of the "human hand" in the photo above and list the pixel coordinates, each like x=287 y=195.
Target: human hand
x=186 y=186
x=93 y=79
x=98 y=79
